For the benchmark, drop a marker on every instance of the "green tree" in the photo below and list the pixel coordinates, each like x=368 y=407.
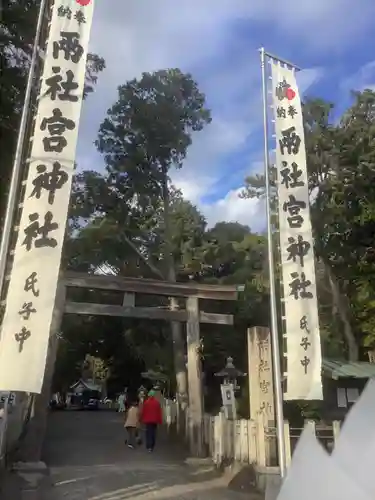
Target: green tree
x=96 y=368
x=99 y=347
x=187 y=229
x=101 y=241
x=232 y=254
x=226 y=253
x=146 y=132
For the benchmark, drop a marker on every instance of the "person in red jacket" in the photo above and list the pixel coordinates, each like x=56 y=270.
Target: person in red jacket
x=151 y=417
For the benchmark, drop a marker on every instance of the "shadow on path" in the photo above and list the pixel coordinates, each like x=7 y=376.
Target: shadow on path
x=89 y=460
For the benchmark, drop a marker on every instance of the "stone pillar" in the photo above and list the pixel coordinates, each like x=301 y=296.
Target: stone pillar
x=261 y=393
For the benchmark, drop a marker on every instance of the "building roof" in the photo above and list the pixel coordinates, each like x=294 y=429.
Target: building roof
x=89 y=385
x=336 y=369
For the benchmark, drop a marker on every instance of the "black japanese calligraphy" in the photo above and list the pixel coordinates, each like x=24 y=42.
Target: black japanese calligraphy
x=49 y=181
x=69 y=44
x=283 y=112
x=27 y=310
x=59 y=88
x=21 y=337
x=292 y=111
x=290 y=141
x=305 y=363
x=293 y=207
x=265 y=407
x=284 y=91
x=64 y=12
x=303 y=324
x=263 y=344
x=305 y=343
x=299 y=286
x=263 y=365
x=298 y=249
x=37 y=234
x=79 y=16
x=30 y=284
x=264 y=385
x=290 y=176
x=57 y=125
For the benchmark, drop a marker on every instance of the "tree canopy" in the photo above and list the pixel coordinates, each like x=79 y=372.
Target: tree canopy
x=133 y=221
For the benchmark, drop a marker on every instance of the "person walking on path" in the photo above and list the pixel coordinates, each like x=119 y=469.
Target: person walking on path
x=132 y=424
x=151 y=417
x=121 y=403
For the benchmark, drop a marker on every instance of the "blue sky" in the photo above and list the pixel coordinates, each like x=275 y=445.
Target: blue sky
x=217 y=41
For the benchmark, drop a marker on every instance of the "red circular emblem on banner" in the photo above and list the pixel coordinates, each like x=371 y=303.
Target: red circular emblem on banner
x=83 y=2
x=290 y=94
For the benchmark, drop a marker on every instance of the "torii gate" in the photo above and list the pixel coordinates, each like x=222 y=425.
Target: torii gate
x=129 y=287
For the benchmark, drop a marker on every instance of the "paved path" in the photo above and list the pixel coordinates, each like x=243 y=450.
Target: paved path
x=89 y=461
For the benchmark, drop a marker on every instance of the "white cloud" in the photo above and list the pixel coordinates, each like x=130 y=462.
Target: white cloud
x=191 y=190
x=321 y=24
x=308 y=77
x=203 y=37
x=232 y=208
x=142 y=30
x=362 y=79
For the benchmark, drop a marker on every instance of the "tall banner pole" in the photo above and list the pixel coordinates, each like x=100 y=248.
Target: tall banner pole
x=17 y=163
x=15 y=178
x=279 y=410
x=301 y=330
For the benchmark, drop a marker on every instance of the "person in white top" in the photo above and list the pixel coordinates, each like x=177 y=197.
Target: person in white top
x=121 y=403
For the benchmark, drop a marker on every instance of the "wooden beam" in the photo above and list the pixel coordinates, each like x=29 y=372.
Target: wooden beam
x=217 y=319
x=151 y=287
x=144 y=312
x=125 y=312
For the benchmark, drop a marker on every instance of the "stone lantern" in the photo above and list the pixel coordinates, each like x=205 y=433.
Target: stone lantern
x=229 y=374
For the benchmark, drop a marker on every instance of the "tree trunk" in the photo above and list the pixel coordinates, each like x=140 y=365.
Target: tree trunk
x=152 y=268
x=342 y=308
x=176 y=327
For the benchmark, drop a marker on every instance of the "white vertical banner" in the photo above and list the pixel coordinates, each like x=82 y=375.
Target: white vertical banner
x=296 y=242
x=32 y=289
